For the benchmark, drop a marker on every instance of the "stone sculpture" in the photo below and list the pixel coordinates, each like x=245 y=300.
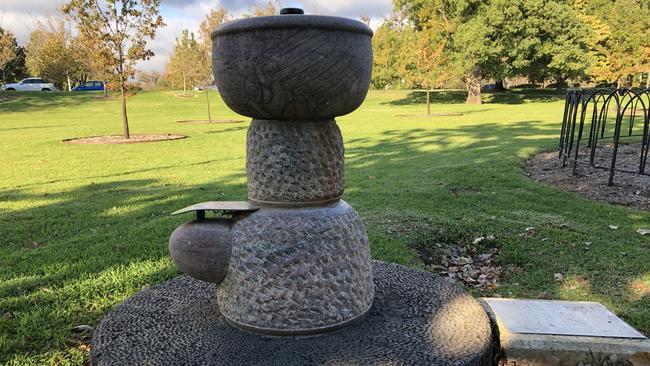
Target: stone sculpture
x=300 y=262
x=294 y=259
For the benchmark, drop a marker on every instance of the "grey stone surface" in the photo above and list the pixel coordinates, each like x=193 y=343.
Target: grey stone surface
x=552 y=317
x=292 y=67
x=417 y=319
x=202 y=248
x=293 y=162
x=298 y=270
x=568 y=349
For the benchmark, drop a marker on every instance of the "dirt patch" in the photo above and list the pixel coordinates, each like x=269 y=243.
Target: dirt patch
x=119 y=139
x=451 y=251
x=632 y=190
x=213 y=122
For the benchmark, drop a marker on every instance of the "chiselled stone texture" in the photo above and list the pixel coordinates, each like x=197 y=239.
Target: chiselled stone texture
x=292 y=67
x=296 y=270
x=417 y=319
x=294 y=162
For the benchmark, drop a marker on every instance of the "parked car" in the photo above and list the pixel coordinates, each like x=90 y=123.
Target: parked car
x=489 y=87
x=31 y=84
x=92 y=85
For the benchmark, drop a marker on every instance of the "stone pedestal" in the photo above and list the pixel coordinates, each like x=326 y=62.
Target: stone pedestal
x=417 y=319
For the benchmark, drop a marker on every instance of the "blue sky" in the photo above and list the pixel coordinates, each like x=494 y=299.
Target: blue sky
x=19 y=16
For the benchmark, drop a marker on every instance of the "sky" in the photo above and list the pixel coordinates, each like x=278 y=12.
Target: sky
x=20 y=16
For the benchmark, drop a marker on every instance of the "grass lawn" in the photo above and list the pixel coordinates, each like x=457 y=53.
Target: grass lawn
x=83 y=227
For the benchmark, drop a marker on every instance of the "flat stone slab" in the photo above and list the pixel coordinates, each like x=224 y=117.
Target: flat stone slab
x=577 y=318
x=545 y=332
x=417 y=319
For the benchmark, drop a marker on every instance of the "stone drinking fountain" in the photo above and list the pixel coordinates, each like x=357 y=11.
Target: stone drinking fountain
x=286 y=278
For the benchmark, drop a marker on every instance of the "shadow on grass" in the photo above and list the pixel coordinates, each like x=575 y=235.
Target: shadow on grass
x=43 y=101
x=518 y=96
x=93 y=245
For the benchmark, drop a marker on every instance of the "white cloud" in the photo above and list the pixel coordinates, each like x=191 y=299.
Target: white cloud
x=19 y=16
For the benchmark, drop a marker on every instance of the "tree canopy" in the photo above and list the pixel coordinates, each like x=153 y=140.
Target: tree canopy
x=117 y=31
x=188 y=64
x=7 y=50
x=53 y=53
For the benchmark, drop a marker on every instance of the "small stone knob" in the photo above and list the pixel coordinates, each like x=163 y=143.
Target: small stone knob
x=286 y=11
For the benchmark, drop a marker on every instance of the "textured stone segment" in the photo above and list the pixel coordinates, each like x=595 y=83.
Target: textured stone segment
x=202 y=248
x=417 y=319
x=298 y=269
x=294 y=162
x=295 y=70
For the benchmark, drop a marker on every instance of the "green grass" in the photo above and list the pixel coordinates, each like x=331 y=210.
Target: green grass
x=83 y=227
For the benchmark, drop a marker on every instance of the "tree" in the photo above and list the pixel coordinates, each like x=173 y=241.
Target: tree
x=149 y=79
x=187 y=63
x=16 y=68
x=7 y=51
x=53 y=53
x=212 y=20
x=501 y=38
x=119 y=29
x=427 y=64
x=271 y=8
x=388 y=44
x=620 y=35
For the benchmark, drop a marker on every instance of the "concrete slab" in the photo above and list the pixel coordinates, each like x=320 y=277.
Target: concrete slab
x=544 y=332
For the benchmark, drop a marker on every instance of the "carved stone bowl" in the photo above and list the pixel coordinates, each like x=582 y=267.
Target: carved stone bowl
x=291 y=67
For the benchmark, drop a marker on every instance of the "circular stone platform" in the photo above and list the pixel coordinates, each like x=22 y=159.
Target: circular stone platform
x=417 y=319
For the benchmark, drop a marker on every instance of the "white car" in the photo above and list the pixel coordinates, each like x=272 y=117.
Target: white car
x=31 y=84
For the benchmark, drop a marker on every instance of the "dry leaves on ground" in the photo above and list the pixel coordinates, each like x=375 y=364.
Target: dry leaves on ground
x=475 y=270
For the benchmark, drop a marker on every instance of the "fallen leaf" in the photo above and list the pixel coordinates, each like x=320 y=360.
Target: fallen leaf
x=558 y=277
x=486 y=257
x=46 y=290
x=613 y=227
x=643 y=231
x=82 y=329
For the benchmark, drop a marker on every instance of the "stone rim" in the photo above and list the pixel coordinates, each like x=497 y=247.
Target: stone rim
x=293 y=21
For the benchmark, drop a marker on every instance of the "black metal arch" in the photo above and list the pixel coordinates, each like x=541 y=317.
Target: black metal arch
x=587 y=119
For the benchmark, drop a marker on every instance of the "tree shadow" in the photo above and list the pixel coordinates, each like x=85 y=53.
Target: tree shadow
x=94 y=245
x=436 y=96
x=44 y=101
x=518 y=96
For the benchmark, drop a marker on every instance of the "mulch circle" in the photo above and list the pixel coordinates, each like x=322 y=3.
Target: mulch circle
x=632 y=190
x=119 y=139
x=213 y=122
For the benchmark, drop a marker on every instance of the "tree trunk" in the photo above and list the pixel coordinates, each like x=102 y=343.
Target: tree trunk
x=125 y=118
x=69 y=84
x=499 y=86
x=473 y=83
x=105 y=89
x=207 y=99
x=428 y=102
x=184 y=85
x=618 y=83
